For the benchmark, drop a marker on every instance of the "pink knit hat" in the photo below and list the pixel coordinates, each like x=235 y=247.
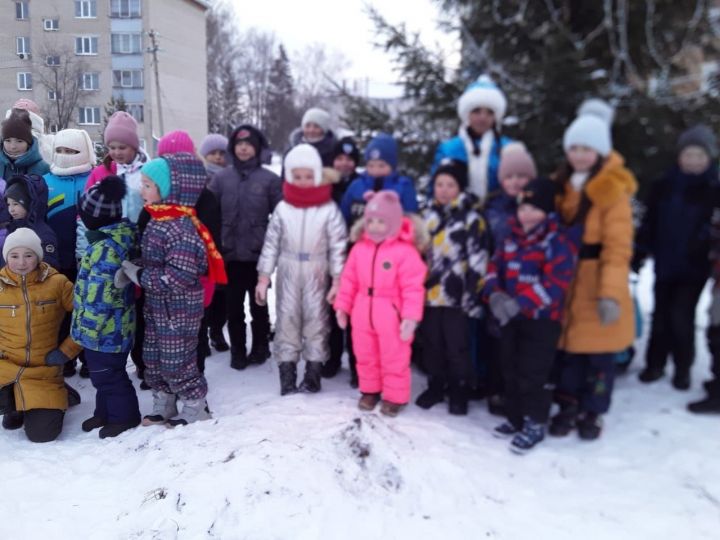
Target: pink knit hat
x=516 y=160
x=386 y=206
x=176 y=142
x=27 y=104
x=122 y=128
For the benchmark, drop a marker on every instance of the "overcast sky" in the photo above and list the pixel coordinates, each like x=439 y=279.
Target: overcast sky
x=344 y=26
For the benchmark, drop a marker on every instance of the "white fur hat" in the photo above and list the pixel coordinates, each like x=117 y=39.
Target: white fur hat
x=589 y=130
x=482 y=93
x=303 y=156
x=23 y=237
x=317 y=116
x=67 y=164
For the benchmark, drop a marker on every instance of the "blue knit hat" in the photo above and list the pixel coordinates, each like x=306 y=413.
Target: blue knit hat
x=158 y=170
x=383 y=147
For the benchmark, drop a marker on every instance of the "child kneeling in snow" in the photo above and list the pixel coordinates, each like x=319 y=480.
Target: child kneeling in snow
x=103 y=320
x=177 y=249
x=381 y=290
x=306 y=241
x=525 y=287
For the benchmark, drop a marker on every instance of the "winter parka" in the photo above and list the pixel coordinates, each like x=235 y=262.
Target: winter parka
x=353 y=202
x=31 y=162
x=32 y=307
x=458 y=254
x=499 y=209
x=599 y=218
x=103 y=315
x=63 y=199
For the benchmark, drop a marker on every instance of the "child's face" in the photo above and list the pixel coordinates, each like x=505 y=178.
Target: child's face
x=121 y=153
x=530 y=216
x=66 y=151
x=16 y=210
x=481 y=120
x=344 y=164
x=513 y=185
x=582 y=158
x=216 y=157
x=244 y=150
x=446 y=189
x=375 y=226
x=22 y=261
x=313 y=132
x=693 y=160
x=377 y=168
x=149 y=191
x=15 y=147
x=303 y=177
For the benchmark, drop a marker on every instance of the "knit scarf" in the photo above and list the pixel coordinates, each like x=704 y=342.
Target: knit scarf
x=165 y=212
x=306 y=197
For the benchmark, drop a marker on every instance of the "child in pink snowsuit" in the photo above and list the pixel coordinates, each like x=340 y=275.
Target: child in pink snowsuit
x=381 y=289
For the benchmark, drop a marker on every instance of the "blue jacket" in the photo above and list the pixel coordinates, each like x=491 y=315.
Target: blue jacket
x=500 y=208
x=63 y=199
x=353 y=202
x=29 y=163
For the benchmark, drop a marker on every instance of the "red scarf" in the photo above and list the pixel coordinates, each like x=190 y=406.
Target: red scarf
x=306 y=197
x=164 y=212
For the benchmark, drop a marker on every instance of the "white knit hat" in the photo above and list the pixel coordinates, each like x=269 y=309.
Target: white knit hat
x=597 y=107
x=67 y=164
x=482 y=93
x=23 y=237
x=589 y=130
x=303 y=156
x=317 y=116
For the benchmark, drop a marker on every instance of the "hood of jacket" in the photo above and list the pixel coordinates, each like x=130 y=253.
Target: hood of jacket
x=38 y=191
x=28 y=159
x=188 y=178
x=262 y=157
x=122 y=233
x=611 y=182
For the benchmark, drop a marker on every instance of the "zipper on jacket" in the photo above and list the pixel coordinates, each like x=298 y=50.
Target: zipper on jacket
x=29 y=339
x=8 y=306
x=371 y=290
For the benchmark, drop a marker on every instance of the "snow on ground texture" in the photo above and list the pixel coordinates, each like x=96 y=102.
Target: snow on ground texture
x=307 y=467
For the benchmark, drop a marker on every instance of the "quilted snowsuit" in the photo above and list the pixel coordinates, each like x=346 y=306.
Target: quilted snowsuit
x=306 y=245
x=174 y=258
x=382 y=284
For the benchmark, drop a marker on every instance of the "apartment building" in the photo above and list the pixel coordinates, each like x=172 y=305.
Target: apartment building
x=73 y=57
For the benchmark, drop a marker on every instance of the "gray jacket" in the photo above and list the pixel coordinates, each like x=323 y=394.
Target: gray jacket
x=247 y=194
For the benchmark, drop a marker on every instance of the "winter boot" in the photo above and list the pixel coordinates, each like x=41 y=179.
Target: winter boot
x=259 y=353
x=331 y=368
x=651 y=374
x=434 y=394
x=164 y=408
x=218 y=342
x=13 y=420
x=84 y=371
x=145 y=386
x=194 y=410
x=238 y=359
x=388 y=408
x=73 y=396
x=709 y=405
x=496 y=405
x=69 y=369
x=681 y=379
x=353 y=371
x=458 y=399
x=367 y=402
x=532 y=433
x=288 y=378
x=505 y=430
x=94 y=422
x=203 y=350
x=113 y=430
x=311 y=381
x=589 y=426
x=564 y=421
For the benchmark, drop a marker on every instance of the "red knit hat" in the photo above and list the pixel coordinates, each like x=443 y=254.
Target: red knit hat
x=176 y=142
x=386 y=206
x=122 y=128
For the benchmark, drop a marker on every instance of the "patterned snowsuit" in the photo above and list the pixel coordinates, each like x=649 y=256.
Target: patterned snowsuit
x=381 y=285
x=174 y=258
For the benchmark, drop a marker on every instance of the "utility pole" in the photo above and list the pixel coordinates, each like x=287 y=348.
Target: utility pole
x=154 y=50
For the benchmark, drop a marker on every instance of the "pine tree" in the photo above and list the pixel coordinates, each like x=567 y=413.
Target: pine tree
x=282 y=115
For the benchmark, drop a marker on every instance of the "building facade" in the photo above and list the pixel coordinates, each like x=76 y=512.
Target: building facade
x=76 y=58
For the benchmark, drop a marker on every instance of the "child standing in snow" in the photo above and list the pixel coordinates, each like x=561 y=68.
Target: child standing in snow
x=526 y=284
x=103 y=320
x=457 y=260
x=381 y=291
x=306 y=241
x=176 y=251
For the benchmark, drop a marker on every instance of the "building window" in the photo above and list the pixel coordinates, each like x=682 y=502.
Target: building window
x=53 y=95
x=52 y=61
x=126 y=43
x=85 y=9
x=22 y=10
x=24 y=81
x=128 y=78
x=53 y=128
x=126 y=9
x=86 y=45
x=51 y=25
x=90 y=81
x=23 y=46
x=137 y=111
x=89 y=116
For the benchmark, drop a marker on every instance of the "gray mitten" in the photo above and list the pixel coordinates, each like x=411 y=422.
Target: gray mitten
x=715 y=308
x=497 y=302
x=608 y=310
x=121 y=280
x=132 y=271
x=56 y=358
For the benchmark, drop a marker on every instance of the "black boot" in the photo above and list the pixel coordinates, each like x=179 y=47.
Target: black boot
x=69 y=368
x=94 y=422
x=496 y=405
x=238 y=359
x=564 y=421
x=331 y=368
x=434 y=394
x=84 y=371
x=458 y=398
x=311 y=381
x=73 y=396
x=259 y=353
x=13 y=420
x=589 y=426
x=218 y=342
x=651 y=374
x=113 y=430
x=709 y=405
x=288 y=378
x=681 y=379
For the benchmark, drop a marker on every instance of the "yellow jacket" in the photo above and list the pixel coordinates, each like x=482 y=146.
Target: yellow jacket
x=31 y=311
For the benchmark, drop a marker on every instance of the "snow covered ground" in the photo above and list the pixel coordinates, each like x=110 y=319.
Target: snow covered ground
x=310 y=467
